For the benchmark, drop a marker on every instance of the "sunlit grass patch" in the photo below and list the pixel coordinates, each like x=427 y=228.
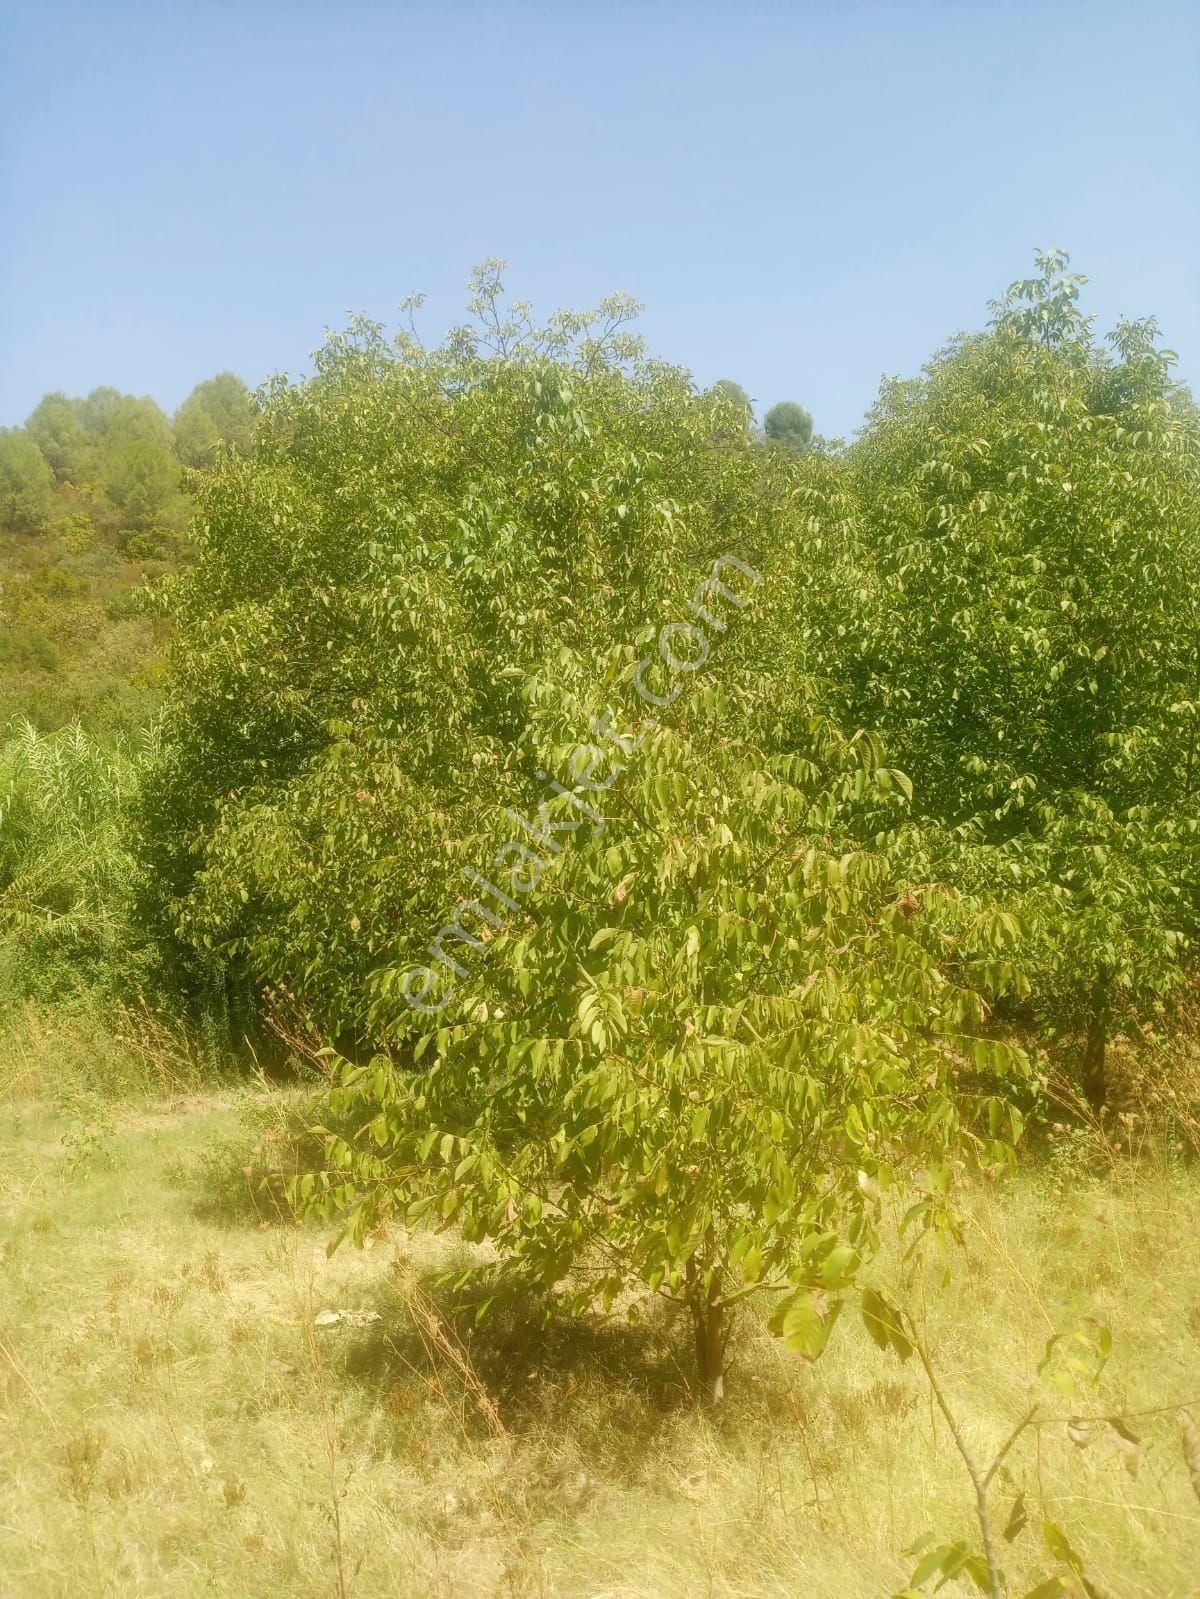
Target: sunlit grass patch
x=184 y=1415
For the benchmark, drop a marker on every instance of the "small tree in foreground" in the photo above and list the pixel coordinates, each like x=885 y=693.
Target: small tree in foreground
x=695 y=1057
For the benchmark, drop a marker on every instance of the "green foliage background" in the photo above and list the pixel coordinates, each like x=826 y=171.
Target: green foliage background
x=93 y=508
x=927 y=794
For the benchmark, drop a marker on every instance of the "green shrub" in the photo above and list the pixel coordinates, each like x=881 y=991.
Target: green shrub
x=416 y=533
x=66 y=870
x=684 y=1052
x=1008 y=592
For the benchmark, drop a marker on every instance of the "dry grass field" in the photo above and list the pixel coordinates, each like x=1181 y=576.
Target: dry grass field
x=197 y=1400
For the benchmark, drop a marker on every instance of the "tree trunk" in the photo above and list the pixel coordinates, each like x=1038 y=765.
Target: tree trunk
x=711 y=1334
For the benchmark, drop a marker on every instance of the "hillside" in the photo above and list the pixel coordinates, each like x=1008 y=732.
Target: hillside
x=94 y=505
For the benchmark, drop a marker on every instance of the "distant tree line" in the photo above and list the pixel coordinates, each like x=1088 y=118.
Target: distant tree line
x=94 y=499
x=116 y=456
x=787 y=423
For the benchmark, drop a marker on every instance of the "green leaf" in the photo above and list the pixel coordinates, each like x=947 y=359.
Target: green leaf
x=885 y=1324
x=1059 y=1546
x=839 y=1266
x=806 y=1321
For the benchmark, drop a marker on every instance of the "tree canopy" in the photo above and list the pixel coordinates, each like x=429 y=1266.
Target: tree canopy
x=416 y=531
x=789 y=424
x=217 y=412
x=26 y=484
x=1030 y=641
x=91 y=505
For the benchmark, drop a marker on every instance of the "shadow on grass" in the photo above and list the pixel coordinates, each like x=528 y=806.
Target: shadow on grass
x=243 y=1178
x=594 y=1392
x=606 y=1383
x=598 y=1391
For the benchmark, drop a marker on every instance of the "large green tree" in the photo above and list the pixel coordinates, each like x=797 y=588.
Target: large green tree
x=114 y=418
x=140 y=481
x=789 y=424
x=739 y=402
x=1022 y=622
x=55 y=427
x=413 y=534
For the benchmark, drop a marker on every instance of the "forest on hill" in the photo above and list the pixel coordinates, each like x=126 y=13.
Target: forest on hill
x=693 y=866
x=93 y=503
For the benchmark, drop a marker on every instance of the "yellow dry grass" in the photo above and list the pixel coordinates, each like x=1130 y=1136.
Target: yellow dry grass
x=174 y=1422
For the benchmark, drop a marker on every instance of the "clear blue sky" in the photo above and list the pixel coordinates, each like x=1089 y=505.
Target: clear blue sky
x=804 y=196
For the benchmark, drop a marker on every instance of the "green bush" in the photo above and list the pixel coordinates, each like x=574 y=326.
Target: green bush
x=683 y=1053
x=416 y=533
x=1008 y=591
